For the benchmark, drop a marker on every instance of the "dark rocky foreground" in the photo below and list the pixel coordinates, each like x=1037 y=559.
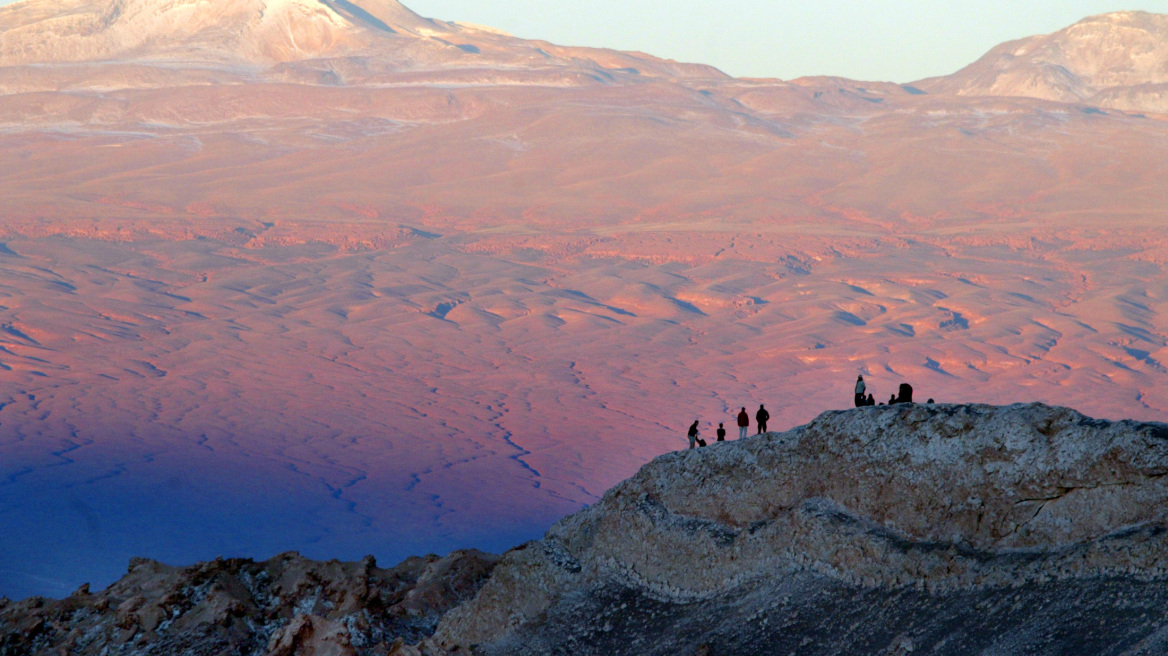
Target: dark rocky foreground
x=807 y=615
x=813 y=615
x=285 y=606
x=877 y=531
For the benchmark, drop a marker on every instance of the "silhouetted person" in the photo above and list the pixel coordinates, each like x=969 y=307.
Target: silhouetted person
x=693 y=434
x=860 y=389
x=892 y=399
x=871 y=400
x=721 y=433
x=905 y=395
x=761 y=416
x=743 y=423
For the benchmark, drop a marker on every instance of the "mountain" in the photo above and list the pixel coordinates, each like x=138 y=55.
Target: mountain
x=41 y=31
x=942 y=529
x=1117 y=60
x=181 y=33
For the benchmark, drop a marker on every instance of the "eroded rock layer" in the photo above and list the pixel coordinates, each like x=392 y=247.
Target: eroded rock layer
x=959 y=529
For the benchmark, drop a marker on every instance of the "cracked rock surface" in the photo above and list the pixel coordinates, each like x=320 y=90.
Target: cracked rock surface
x=949 y=529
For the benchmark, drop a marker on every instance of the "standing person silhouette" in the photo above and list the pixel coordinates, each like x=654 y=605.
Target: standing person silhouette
x=860 y=389
x=693 y=434
x=721 y=433
x=743 y=423
x=762 y=416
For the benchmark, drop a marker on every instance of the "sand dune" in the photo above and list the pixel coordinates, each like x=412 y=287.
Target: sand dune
x=419 y=397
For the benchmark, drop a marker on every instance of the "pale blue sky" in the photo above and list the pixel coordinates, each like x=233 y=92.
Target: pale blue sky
x=897 y=40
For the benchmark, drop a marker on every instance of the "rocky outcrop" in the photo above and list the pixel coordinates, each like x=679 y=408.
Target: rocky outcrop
x=286 y=606
x=943 y=529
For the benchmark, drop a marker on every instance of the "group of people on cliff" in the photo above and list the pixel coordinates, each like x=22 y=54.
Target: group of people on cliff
x=862 y=398
x=904 y=395
x=761 y=417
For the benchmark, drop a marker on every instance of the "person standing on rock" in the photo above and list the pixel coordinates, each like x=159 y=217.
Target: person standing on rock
x=693 y=434
x=861 y=400
x=743 y=423
x=721 y=433
x=762 y=416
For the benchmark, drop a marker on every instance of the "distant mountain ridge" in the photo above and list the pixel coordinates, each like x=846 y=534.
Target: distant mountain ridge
x=38 y=31
x=272 y=32
x=1117 y=60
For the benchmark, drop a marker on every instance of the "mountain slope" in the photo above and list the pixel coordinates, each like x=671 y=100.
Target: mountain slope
x=1114 y=60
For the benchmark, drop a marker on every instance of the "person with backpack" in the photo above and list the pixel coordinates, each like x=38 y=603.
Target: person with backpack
x=743 y=423
x=762 y=416
x=861 y=400
x=721 y=433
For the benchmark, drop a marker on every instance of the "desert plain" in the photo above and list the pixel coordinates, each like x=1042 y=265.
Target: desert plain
x=363 y=282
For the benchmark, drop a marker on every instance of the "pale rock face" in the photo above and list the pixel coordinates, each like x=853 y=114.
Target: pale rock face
x=1107 y=60
x=944 y=498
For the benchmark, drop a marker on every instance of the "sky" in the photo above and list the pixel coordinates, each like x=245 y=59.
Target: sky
x=885 y=40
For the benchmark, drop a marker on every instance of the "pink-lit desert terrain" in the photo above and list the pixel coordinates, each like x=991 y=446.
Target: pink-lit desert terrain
x=332 y=277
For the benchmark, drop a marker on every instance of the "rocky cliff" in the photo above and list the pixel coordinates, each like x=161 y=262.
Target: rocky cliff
x=946 y=529
x=285 y=606
x=935 y=529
